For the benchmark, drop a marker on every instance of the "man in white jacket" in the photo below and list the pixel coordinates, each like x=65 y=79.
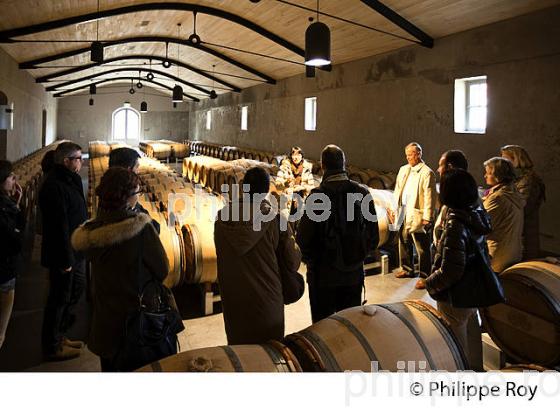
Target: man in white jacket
x=415 y=196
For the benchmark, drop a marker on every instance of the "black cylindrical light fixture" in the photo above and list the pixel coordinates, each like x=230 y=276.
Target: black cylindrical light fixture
x=317 y=45
x=177 y=93
x=150 y=76
x=213 y=95
x=143 y=106
x=91 y=101
x=97 y=52
x=93 y=89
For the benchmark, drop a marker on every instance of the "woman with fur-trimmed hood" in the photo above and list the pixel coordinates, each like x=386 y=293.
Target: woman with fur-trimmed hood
x=116 y=242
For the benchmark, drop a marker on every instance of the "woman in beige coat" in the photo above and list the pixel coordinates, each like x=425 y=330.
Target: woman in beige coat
x=532 y=188
x=505 y=205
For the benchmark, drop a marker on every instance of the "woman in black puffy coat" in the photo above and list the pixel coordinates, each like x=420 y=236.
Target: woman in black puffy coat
x=12 y=223
x=462 y=240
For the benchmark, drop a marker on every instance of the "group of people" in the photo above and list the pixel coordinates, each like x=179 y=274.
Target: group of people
x=439 y=232
x=122 y=244
x=439 y=237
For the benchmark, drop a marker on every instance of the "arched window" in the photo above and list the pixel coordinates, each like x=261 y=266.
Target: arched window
x=126 y=124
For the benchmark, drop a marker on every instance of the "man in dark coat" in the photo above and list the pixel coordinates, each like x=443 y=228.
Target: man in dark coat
x=63 y=207
x=129 y=158
x=334 y=249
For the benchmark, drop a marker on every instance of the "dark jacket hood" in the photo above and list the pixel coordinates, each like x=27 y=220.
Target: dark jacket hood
x=241 y=233
x=475 y=218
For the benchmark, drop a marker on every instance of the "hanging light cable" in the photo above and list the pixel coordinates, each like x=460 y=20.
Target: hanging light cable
x=97 y=47
x=213 y=94
x=178 y=90
x=144 y=104
x=317 y=43
x=150 y=76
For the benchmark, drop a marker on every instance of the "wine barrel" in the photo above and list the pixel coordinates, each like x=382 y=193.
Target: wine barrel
x=389 y=180
x=160 y=151
x=272 y=357
x=200 y=252
x=383 y=201
x=172 y=243
x=387 y=334
x=527 y=326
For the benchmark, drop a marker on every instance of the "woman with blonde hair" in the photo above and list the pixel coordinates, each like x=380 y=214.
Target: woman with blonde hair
x=505 y=205
x=532 y=188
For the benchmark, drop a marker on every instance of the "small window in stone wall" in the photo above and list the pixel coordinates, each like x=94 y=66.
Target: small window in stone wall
x=244 y=117
x=311 y=114
x=209 y=120
x=471 y=105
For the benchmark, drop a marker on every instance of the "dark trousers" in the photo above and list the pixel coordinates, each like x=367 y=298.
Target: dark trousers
x=107 y=365
x=421 y=241
x=327 y=300
x=65 y=290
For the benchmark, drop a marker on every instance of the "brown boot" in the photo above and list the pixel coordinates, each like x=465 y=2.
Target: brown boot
x=420 y=284
x=63 y=352
x=76 y=344
x=405 y=274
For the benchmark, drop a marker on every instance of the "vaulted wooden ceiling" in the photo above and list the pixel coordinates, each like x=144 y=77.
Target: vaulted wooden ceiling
x=260 y=60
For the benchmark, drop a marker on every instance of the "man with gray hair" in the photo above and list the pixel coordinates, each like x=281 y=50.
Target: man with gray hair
x=415 y=196
x=63 y=207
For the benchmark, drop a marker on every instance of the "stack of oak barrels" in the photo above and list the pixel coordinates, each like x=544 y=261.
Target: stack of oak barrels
x=164 y=150
x=372 y=178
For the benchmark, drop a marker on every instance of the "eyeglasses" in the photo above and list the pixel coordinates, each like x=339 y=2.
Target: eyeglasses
x=140 y=191
x=75 y=158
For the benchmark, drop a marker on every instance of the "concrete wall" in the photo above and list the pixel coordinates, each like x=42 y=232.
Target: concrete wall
x=373 y=107
x=82 y=123
x=30 y=100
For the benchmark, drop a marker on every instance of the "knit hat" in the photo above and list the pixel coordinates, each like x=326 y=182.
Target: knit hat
x=6 y=169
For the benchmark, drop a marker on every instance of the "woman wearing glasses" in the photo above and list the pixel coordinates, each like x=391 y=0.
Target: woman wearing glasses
x=125 y=253
x=12 y=223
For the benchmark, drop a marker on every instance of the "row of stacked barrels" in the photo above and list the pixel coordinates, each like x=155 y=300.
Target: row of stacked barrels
x=164 y=149
x=184 y=214
x=212 y=173
x=372 y=178
x=97 y=149
x=29 y=173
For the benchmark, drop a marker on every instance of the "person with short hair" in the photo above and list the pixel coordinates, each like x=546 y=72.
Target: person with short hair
x=125 y=157
x=249 y=259
x=415 y=195
x=334 y=249
x=505 y=206
x=63 y=208
x=125 y=253
x=532 y=189
x=458 y=246
x=12 y=224
x=128 y=158
x=295 y=178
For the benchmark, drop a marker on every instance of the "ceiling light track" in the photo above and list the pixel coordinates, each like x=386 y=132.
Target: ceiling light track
x=63 y=93
x=69 y=71
x=32 y=64
x=6 y=35
x=354 y=23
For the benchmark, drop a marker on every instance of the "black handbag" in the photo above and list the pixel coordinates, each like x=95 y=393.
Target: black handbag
x=293 y=285
x=151 y=330
x=479 y=286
